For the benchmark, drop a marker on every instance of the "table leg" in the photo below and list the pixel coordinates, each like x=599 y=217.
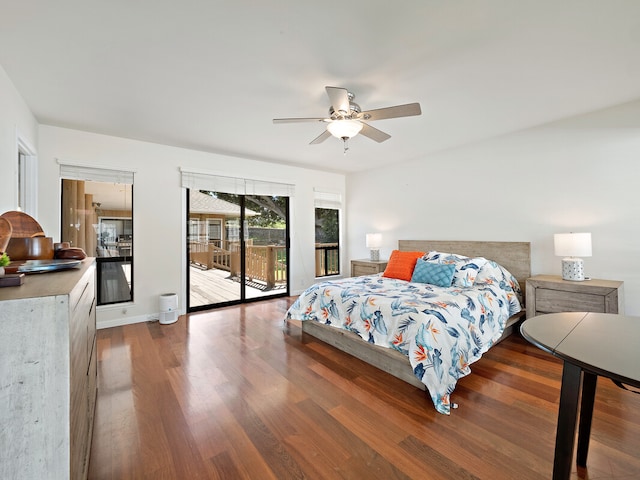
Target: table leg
x=586 y=415
x=567 y=420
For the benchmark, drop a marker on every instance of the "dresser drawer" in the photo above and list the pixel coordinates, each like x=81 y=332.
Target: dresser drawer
x=555 y=301
x=367 y=267
x=364 y=270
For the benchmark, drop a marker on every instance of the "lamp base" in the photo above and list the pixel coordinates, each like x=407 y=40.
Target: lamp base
x=573 y=269
x=375 y=255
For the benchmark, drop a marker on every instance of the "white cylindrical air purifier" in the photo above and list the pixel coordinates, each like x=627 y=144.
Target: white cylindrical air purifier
x=168 y=308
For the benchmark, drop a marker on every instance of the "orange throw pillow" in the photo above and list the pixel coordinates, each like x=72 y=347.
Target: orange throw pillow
x=401 y=265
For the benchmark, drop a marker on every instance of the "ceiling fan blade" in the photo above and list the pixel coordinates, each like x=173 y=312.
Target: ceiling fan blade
x=295 y=120
x=320 y=138
x=407 y=110
x=339 y=99
x=373 y=133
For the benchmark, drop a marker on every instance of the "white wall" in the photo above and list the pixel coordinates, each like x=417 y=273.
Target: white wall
x=159 y=207
x=16 y=121
x=581 y=175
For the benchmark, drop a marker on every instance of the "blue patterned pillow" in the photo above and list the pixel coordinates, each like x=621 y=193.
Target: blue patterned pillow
x=433 y=273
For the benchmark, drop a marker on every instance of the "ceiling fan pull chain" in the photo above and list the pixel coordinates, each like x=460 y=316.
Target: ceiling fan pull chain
x=346 y=145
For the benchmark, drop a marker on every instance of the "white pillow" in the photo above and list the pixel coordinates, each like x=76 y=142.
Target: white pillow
x=466 y=268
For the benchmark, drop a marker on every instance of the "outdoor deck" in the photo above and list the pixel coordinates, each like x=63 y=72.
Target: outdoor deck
x=214 y=286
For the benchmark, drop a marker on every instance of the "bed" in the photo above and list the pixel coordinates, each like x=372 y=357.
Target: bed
x=427 y=335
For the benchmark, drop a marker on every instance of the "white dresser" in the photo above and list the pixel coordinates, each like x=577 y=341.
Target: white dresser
x=48 y=374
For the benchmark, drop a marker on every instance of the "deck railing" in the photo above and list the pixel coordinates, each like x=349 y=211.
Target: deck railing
x=267 y=264
x=264 y=263
x=327 y=259
x=211 y=255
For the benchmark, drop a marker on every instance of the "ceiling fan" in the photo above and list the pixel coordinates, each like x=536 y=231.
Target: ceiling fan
x=346 y=118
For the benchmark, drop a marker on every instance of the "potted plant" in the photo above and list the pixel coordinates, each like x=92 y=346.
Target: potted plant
x=4 y=261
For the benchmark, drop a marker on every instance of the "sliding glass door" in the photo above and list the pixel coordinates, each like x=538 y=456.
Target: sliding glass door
x=237 y=248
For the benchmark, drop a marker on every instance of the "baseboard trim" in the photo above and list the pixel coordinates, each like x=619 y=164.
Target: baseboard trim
x=118 y=322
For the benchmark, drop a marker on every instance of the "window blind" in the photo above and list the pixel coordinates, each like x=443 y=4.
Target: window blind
x=327 y=199
x=235 y=185
x=95 y=174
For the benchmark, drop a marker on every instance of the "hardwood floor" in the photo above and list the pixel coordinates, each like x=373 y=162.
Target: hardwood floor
x=237 y=393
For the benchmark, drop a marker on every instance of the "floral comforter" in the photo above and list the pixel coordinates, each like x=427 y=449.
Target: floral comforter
x=442 y=330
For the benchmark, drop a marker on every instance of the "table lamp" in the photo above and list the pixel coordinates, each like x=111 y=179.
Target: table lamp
x=570 y=246
x=374 y=242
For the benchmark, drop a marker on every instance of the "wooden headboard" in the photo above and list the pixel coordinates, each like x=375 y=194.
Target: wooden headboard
x=514 y=256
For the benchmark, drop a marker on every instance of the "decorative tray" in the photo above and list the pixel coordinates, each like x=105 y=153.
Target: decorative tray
x=41 y=266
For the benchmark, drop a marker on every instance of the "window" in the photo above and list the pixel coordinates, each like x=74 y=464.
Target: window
x=214 y=228
x=97 y=216
x=194 y=230
x=327 y=225
x=27 y=179
x=22 y=176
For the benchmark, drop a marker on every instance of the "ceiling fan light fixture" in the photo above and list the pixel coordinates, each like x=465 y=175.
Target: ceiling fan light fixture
x=344 y=128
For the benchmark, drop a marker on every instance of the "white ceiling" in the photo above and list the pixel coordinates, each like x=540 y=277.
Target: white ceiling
x=211 y=75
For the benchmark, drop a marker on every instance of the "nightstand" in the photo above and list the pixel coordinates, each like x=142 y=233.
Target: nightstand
x=552 y=294
x=367 y=267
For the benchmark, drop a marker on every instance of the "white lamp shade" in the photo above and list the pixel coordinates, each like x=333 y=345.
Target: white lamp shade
x=374 y=240
x=572 y=244
x=344 y=128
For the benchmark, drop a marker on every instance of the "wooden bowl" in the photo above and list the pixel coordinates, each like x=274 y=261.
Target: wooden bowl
x=5 y=233
x=70 y=254
x=26 y=248
x=22 y=224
